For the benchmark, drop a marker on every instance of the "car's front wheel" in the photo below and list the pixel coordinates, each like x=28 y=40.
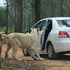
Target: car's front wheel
x=50 y=51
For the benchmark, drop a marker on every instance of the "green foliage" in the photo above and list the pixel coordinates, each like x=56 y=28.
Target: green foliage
x=2 y=29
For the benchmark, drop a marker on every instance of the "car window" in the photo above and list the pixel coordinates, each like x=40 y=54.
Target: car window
x=41 y=25
x=65 y=23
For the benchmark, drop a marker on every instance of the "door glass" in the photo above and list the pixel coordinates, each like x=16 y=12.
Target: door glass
x=41 y=25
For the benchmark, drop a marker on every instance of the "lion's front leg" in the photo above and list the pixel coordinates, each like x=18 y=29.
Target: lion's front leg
x=35 y=55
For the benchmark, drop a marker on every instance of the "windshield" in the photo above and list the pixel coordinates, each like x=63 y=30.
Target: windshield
x=65 y=23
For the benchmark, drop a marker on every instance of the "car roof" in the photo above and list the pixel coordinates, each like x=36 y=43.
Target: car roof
x=52 y=18
x=56 y=18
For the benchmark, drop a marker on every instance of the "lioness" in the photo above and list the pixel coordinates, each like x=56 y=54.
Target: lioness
x=25 y=41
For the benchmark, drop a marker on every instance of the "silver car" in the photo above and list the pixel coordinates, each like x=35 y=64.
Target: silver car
x=54 y=35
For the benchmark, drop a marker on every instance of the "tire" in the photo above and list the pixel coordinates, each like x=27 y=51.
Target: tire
x=26 y=52
x=50 y=52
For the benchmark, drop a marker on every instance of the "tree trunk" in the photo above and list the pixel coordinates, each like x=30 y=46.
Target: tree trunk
x=61 y=6
x=6 y=31
x=37 y=9
x=19 y=16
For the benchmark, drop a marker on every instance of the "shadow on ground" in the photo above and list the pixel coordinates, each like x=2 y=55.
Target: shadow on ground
x=61 y=57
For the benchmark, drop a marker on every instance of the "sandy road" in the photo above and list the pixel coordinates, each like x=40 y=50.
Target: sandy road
x=61 y=63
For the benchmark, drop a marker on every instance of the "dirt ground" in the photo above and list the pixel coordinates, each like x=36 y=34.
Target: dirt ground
x=61 y=63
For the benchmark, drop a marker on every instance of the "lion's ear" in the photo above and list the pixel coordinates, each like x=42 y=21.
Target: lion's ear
x=38 y=29
x=29 y=30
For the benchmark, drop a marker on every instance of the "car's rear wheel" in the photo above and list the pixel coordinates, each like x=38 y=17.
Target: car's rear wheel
x=50 y=52
x=26 y=52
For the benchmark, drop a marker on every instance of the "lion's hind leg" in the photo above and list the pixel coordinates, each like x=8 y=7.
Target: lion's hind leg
x=14 y=55
x=15 y=48
x=8 y=48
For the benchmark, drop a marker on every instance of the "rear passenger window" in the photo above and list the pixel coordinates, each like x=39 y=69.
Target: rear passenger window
x=65 y=23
